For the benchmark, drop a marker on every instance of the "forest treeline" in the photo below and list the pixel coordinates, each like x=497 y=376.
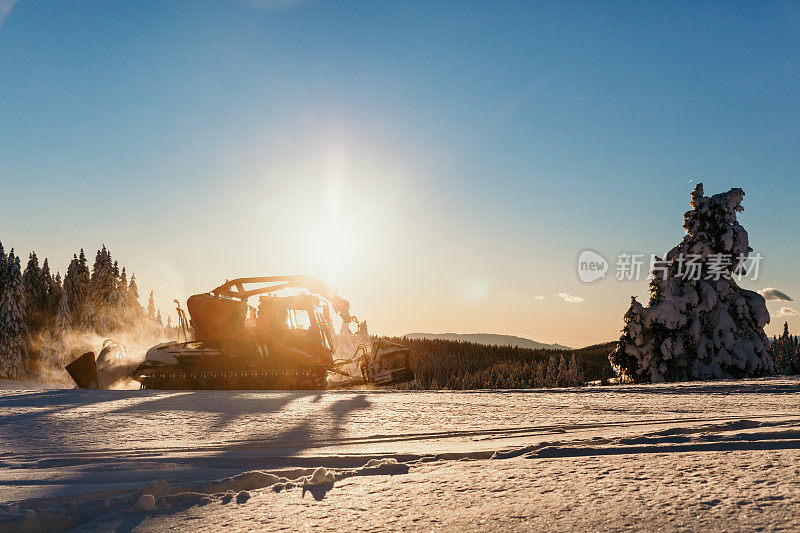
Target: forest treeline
x=785 y=351
x=444 y=364
x=45 y=320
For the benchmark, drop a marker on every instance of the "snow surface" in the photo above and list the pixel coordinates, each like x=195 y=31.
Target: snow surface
x=679 y=456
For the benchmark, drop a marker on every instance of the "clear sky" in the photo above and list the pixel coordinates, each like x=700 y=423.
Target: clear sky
x=442 y=163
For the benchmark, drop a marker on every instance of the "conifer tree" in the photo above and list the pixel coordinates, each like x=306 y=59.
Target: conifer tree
x=55 y=293
x=133 y=291
x=3 y=272
x=562 y=378
x=135 y=311
x=54 y=288
x=34 y=287
x=540 y=375
x=68 y=314
x=698 y=325
x=575 y=375
x=551 y=377
x=83 y=267
x=151 y=308
x=73 y=297
x=99 y=311
x=81 y=288
x=14 y=337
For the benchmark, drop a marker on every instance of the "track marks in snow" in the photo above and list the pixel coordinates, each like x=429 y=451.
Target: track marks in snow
x=705 y=438
x=279 y=449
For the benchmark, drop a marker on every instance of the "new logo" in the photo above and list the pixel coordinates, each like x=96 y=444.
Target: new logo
x=591 y=266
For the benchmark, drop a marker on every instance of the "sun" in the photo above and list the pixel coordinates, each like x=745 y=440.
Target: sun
x=332 y=250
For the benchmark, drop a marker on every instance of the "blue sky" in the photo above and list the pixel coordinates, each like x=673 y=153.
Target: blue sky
x=443 y=163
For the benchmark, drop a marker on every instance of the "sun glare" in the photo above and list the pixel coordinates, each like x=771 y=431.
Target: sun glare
x=332 y=250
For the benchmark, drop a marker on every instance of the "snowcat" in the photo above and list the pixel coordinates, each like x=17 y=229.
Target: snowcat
x=285 y=342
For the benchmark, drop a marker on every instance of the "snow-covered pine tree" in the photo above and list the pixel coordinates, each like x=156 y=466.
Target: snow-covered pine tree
x=70 y=305
x=99 y=310
x=14 y=337
x=55 y=294
x=54 y=288
x=35 y=287
x=123 y=282
x=133 y=297
x=120 y=297
x=151 y=307
x=540 y=375
x=45 y=342
x=562 y=378
x=73 y=297
x=551 y=376
x=3 y=273
x=574 y=373
x=698 y=326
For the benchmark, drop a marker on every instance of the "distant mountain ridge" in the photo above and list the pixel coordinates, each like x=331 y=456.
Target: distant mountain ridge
x=489 y=339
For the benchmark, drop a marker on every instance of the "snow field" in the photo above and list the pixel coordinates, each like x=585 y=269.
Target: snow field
x=681 y=456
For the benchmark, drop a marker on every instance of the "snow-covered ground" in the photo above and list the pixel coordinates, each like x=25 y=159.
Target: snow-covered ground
x=678 y=456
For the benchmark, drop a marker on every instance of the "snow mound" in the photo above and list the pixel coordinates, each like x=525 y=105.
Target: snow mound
x=699 y=323
x=320 y=477
x=146 y=503
x=255 y=479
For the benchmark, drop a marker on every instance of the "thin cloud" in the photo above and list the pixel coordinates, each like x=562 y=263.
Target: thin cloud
x=787 y=311
x=510 y=107
x=5 y=9
x=770 y=293
x=538 y=298
x=271 y=5
x=568 y=298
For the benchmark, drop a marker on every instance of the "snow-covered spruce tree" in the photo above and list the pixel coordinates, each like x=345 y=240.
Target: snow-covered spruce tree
x=699 y=324
x=14 y=336
x=99 y=312
x=122 y=288
x=551 y=376
x=35 y=287
x=575 y=374
x=71 y=306
x=45 y=342
x=4 y=269
x=3 y=273
x=562 y=377
x=73 y=297
x=151 y=307
x=54 y=288
x=133 y=297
